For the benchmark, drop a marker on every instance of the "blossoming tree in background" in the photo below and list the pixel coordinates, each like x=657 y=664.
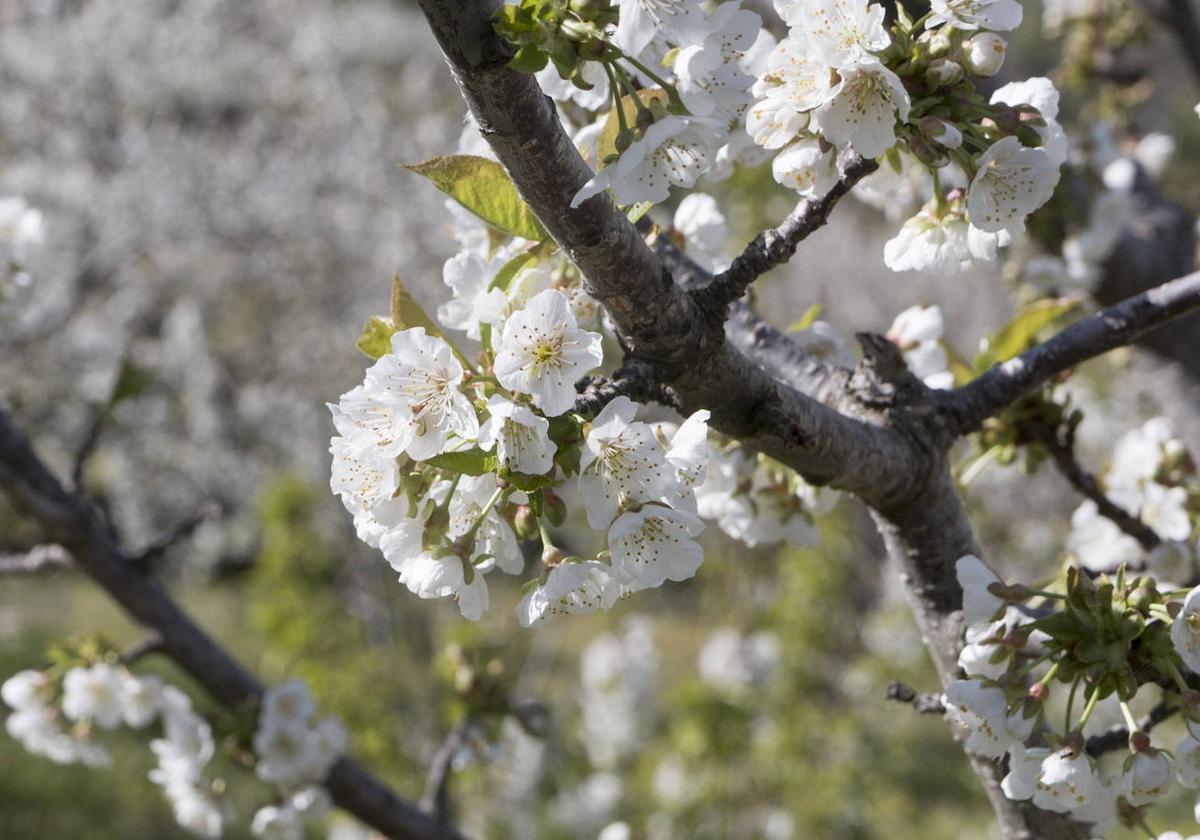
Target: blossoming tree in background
x=480 y=442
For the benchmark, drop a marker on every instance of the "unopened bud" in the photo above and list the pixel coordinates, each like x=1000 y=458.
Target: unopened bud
x=551 y=556
x=943 y=72
x=1142 y=597
x=941 y=132
x=525 y=523
x=1038 y=692
x=1029 y=136
x=1139 y=741
x=624 y=140
x=554 y=508
x=983 y=53
x=939 y=42
x=930 y=154
x=1074 y=742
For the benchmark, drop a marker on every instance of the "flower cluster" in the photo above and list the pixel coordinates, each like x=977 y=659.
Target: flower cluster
x=57 y=712
x=917 y=331
x=294 y=754
x=1151 y=476
x=1107 y=637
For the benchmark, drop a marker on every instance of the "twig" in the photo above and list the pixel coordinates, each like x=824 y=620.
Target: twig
x=1061 y=448
x=967 y=407
x=925 y=704
x=776 y=246
x=151 y=642
x=634 y=379
x=181 y=530
x=87 y=446
x=75 y=523
x=1118 y=736
x=436 y=798
x=40 y=558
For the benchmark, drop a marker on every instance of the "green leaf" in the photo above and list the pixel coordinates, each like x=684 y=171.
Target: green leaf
x=483 y=187
x=376 y=338
x=512 y=268
x=807 y=319
x=528 y=483
x=407 y=313
x=466 y=462
x=1022 y=331
x=529 y=59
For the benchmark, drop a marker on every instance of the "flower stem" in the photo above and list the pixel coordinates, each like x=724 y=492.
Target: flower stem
x=616 y=95
x=1071 y=703
x=483 y=513
x=1089 y=708
x=671 y=92
x=1130 y=720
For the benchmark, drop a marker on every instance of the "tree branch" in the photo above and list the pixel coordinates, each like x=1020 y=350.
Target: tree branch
x=76 y=525
x=634 y=379
x=1061 y=449
x=1118 y=736
x=929 y=703
x=436 y=798
x=991 y=393
x=40 y=558
x=181 y=530
x=775 y=246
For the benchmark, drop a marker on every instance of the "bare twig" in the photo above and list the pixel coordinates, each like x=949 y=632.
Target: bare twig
x=968 y=406
x=926 y=704
x=1060 y=445
x=775 y=246
x=40 y=558
x=87 y=445
x=72 y=521
x=634 y=379
x=436 y=798
x=151 y=642
x=181 y=530
x=1118 y=736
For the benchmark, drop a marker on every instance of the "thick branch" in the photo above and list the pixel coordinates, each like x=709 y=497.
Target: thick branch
x=1108 y=329
x=658 y=322
x=1062 y=451
x=75 y=524
x=776 y=246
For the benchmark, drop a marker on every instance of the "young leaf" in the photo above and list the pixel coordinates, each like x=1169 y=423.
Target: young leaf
x=806 y=320
x=466 y=462
x=483 y=187
x=407 y=313
x=376 y=338
x=1018 y=334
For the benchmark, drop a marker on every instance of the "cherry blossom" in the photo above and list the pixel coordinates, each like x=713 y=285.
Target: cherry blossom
x=622 y=463
x=1011 y=181
x=654 y=544
x=570 y=589
x=520 y=437
x=997 y=15
x=863 y=108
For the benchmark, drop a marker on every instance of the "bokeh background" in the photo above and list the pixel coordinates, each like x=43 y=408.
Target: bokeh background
x=224 y=206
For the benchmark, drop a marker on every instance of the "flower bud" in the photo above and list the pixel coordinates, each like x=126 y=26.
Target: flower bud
x=941 y=132
x=1038 y=692
x=983 y=53
x=525 y=523
x=551 y=556
x=939 y=42
x=554 y=508
x=1139 y=741
x=624 y=140
x=929 y=153
x=943 y=71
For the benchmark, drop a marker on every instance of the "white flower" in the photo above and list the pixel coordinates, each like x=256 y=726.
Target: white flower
x=795 y=83
x=863 y=109
x=709 y=75
x=1139 y=453
x=520 y=437
x=313 y=801
x=1097 y=543
x=806 y=167
x=1185 y=631
x=141 y=699
x=93 y=694
x=493 y=537
x=642 y=21
x=39 y=730
x=983 y=655
x=980 y=712
x=917 y=331
x=25 y=690
x=197 y=811
x=543 y=352
x=371 y=423
x=983 y=54
x=469 y=277
x=564 y=90
x=422 y=375
x=653 y=545
x=997 y=15
x=687 y=451
x=702 y=225
x=979 y=605
x=1010 y=183
x=674 y=150
x=1163 y=509
x=1024 y=764
x=290 y=700
x=1065 y=782
x=1187 y=762
x=1041 y=94
x=1172 y=562
x=286 y=750
x=427 y=576
x=570 y=589
x=1146 y=777
x=187 y=743
x=842 y=32
x=277 y=823
x=730 y=660
x=622 y=463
